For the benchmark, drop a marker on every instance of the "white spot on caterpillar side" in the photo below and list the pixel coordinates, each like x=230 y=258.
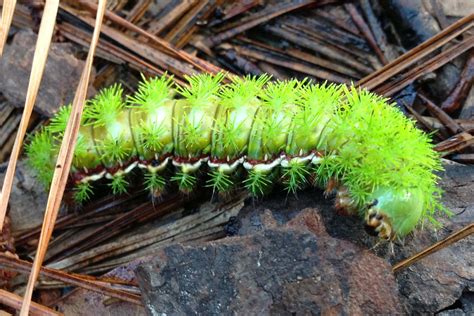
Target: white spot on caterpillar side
x=93 y=177
x=225 y=167
x=316 y=160
x=155 y=169
x=285 y=162
x=263 y=167
x=130 y=167
x=190 y=167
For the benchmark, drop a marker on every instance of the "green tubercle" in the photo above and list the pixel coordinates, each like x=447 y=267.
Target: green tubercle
x=186 y=181
x=154 y=182
x=151 y=136
x=219 y=182
x=82 y=192
x=58 y=123
x=152 y=93
x=119 y=184
x=258 y=183
x=202 y=89
x=295 y=175
x=242 y=91
x=112 y=149
x=41 y=152
x=105 y=107
x=281 y=94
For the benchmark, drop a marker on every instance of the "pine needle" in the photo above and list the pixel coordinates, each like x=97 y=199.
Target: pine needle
x=39 y=62
x=14 y=301
x=454 y=237
x=6 y=21
x=66 y=153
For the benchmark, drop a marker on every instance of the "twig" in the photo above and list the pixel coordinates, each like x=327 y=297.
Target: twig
x=39 y=62
x=64 y=161
x=263 y=16
x=449 y=122
x=84 y=282
x=455 y=143
x=363 y=27
x=434 y=123
x=14 y=301
x=428 y=66
x=199 y=63
x=462 y=87
x=463 y=233
x=442 y=134
x=408 y=59
x=288 y=63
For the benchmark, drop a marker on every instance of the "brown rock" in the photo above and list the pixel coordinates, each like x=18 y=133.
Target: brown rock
x=225 y=275
x=60 y=77
x=309 y=219
x=438 y=281
x=27 y=200
x=277 y=271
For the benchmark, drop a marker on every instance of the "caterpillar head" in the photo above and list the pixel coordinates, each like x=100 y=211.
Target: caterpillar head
x=393 y=213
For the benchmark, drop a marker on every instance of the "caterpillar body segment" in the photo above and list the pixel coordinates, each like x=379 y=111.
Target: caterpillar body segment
x=253 y=133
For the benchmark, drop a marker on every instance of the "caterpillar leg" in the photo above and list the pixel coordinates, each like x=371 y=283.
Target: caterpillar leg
x=344 y=203
x=378 y=224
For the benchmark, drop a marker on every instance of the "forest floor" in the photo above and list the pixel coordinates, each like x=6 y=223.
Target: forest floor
x=279 y=255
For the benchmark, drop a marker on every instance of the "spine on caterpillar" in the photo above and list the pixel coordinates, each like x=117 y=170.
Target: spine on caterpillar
x=253 y=133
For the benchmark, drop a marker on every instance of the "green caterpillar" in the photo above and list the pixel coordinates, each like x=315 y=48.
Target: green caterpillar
x=252 y=133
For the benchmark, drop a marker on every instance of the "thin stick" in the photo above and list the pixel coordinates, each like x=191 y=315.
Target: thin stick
x=409 y=58
x=195 y=61
x=14 y=301
x=63 y=163
x=7 y=17
x=85 y=282
x=460 y=234
x=39 y=62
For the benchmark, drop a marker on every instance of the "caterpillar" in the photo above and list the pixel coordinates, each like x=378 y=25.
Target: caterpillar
x=252 y=133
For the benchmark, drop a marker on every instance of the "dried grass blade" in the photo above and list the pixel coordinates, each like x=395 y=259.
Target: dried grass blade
x=63 y=163
x=460 y=234
x=14 y=301
x=39 y=62
x=7 y=17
